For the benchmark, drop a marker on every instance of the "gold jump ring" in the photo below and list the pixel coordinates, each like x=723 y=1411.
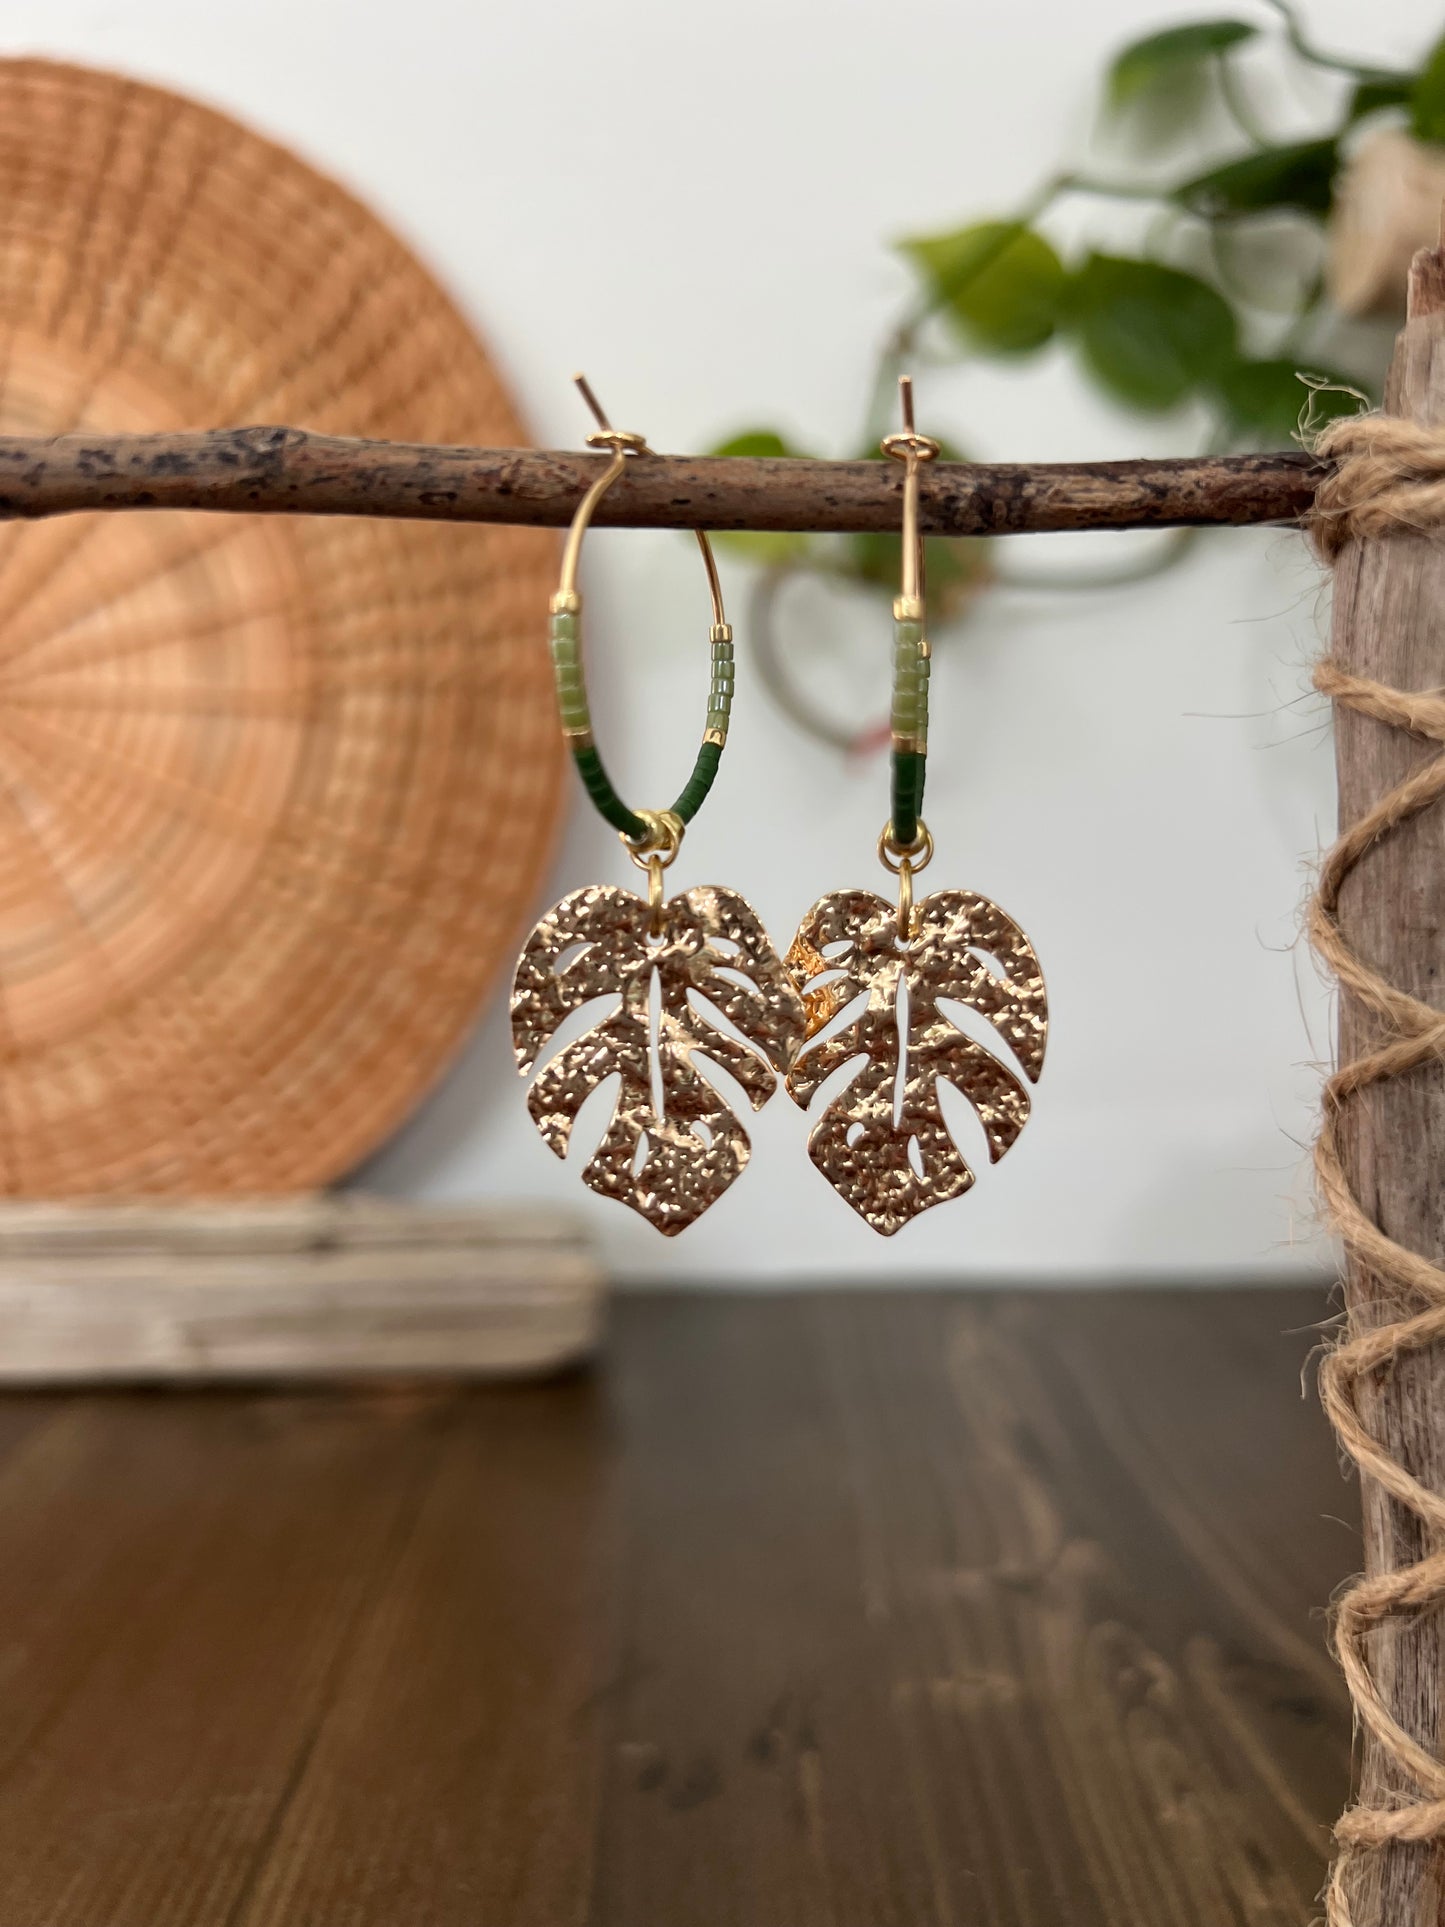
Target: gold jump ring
x=918 y=855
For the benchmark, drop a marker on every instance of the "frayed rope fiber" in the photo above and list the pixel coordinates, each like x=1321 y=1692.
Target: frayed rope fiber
x=1389 y=480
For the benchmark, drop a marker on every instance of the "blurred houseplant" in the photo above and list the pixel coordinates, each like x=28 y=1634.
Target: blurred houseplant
x=1238 y=303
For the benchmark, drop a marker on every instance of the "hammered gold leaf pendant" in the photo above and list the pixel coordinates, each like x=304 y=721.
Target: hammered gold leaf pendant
x=673 y=1145
x=882 y=1142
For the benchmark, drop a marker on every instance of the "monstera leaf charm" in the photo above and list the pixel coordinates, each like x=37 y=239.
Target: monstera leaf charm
x=882 y=1142
x=673 y=1145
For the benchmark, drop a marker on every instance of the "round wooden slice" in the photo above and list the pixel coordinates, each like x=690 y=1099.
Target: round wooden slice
x=275 y=792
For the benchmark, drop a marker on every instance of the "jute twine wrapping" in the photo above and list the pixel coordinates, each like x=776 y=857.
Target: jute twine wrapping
x=1390 y=478
x=276 y=792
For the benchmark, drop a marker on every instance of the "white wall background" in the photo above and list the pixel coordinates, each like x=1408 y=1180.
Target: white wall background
x=693 y=202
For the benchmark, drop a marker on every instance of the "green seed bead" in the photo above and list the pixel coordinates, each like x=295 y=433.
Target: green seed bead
x=909 y=767
x=598 y=785
x=564 y=635
x=564 y=642
x=909 y=715
x=700 y=782
x=909 y=723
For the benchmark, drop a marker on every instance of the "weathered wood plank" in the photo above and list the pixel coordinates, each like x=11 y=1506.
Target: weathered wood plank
x=1389 y=627
x=327 y=1286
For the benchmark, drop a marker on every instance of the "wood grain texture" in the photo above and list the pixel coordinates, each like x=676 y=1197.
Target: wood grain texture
x=287 y=471
x=876 y=1610
x=1389 y=626
x=326 y=1285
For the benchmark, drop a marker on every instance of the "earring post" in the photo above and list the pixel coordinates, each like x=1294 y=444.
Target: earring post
x=599 y=412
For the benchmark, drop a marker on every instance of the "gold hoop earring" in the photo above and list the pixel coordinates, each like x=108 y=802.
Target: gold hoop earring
x=672 y=1156
x=882 y=1142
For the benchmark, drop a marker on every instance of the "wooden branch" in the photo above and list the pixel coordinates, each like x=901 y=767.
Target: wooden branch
x=285 y=471
x=1389 y=627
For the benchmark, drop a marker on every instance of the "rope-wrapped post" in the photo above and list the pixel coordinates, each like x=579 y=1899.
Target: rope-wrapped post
x=1378 y=921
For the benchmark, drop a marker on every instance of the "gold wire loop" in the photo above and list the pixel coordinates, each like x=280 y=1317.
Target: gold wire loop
x=622 y=442
x=918 y=855
x=910 y=448
x=922 y=448
x=655 y=868
x=665 y=830
x=905 y=900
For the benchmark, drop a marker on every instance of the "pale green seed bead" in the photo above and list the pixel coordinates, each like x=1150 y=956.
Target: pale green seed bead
x=909 y=714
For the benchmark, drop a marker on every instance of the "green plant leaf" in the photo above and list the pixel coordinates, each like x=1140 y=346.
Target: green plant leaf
x=1150 y=335
x=756 y=441
x=1377 y=91
x=768 y=548
x=1160 y=56
x=1264 y=401
x=954 y=567
x=1427 y=97
x=1002 y=285
x=1298 y=177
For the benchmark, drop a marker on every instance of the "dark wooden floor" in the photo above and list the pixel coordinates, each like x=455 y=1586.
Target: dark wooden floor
x=863 y=1611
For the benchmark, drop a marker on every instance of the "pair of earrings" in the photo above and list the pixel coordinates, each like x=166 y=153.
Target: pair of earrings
x=673 y=1144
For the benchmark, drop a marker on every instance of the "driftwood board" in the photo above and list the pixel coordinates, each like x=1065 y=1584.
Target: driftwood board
x=312 y=1287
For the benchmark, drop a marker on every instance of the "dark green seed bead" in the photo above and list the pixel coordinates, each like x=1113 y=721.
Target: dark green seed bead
x=598 y=785
x=909 y=769
x=700 y=782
